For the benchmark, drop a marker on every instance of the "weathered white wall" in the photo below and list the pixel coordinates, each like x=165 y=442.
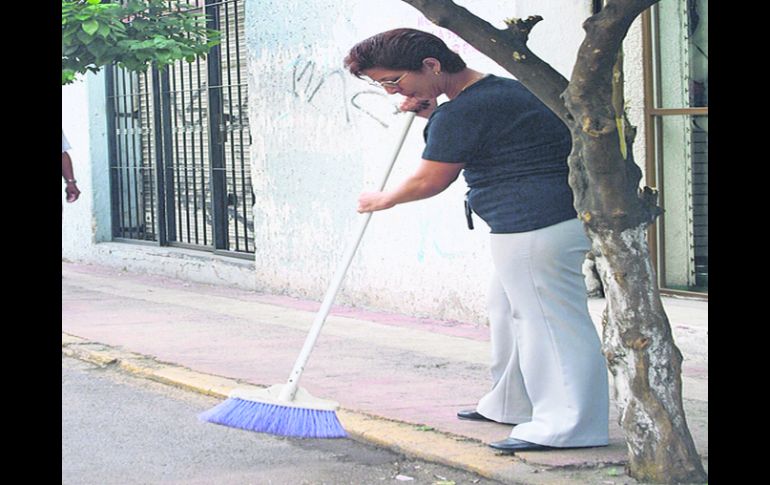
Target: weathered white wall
x=634 y=90
x=320 y=138
x=76 y=217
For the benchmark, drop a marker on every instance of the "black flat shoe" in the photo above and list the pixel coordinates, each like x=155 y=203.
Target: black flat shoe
x=512 y=445
x=472 y=415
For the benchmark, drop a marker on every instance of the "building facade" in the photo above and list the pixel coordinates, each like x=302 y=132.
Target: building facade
x=244 y=169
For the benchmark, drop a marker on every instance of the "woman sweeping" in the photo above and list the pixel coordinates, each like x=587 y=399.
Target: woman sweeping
x=549 y=375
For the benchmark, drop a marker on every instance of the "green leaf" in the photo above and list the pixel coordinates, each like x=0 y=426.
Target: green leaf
x=98 y=48
x=94 y=2
x=90 y=27
x=160 y=42
x=68 y=50
x=84 y=38
x=104 y=30
x=67 y=76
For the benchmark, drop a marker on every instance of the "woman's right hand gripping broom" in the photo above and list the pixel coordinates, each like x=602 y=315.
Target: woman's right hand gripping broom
x=422 y=107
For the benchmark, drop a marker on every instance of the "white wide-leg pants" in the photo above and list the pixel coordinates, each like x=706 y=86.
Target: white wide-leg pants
x=549 y=374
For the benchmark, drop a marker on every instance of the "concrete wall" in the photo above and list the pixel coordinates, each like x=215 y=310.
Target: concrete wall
x=77 y=221
x=320 y=137
x=634 y=91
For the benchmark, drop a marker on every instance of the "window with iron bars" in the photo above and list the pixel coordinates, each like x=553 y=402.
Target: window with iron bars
x=179 y=146
x=676 y=107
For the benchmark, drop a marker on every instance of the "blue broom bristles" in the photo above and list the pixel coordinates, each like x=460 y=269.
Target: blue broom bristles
x=275 y=419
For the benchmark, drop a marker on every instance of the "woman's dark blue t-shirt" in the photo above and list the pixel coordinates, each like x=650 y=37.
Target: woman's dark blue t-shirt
x=515 y=152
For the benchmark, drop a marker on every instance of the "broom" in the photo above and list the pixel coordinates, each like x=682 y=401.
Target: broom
x=289 y=410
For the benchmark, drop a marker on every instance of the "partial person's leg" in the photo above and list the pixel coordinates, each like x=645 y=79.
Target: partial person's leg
x=507 y=402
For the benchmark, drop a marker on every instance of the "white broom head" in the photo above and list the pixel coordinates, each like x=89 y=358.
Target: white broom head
x=302 y=399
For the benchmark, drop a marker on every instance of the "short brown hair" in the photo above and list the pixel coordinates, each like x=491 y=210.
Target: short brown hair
x=401 y=49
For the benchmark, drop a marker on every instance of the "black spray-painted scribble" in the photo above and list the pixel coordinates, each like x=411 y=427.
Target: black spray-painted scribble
x=370 y=92
x=307 y=80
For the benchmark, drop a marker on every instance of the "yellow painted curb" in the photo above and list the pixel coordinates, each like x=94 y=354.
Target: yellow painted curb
x=67 y=339
x=203 y=383
x=147 y=367
x=432 y=445
x=99 y=357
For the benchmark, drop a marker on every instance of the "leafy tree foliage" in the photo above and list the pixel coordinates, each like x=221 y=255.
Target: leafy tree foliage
x=132 y=33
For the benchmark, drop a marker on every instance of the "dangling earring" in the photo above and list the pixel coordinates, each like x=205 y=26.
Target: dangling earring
x=437 y=73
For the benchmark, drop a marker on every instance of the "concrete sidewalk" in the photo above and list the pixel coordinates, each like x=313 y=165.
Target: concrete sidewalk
x=399 y=380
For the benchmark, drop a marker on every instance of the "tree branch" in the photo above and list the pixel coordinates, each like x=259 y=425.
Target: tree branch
x=507 y=47
x=520 y=29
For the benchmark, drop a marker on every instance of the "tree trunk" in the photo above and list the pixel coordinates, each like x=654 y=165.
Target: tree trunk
x=637 y=338
x=645 y=362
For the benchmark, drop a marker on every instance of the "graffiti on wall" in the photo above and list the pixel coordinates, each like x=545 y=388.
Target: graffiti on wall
x=310 y=82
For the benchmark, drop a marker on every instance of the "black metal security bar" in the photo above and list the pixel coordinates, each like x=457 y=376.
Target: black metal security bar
x=179 y=146
x=131 y=147
x=228 y=95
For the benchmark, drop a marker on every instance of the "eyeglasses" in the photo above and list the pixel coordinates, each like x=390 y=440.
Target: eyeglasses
x=389 y=84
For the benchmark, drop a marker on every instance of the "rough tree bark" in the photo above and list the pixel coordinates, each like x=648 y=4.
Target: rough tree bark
x=637 y=338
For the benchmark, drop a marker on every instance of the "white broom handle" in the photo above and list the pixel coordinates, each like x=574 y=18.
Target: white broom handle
x=288 y=391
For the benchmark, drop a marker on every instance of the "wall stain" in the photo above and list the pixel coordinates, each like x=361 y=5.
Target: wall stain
x=424 y=245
